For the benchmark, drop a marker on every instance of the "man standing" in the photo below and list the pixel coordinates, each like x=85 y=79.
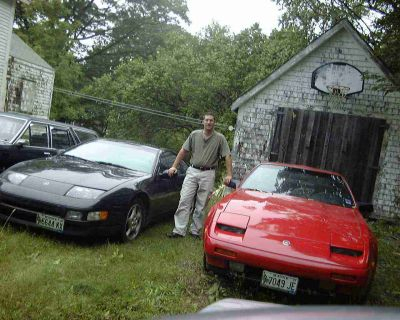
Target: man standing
x=206 y=147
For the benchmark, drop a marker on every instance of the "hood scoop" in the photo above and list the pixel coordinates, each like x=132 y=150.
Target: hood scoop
x=231 y=224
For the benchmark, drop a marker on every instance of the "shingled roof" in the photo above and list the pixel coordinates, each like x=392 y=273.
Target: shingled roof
x=21 y=50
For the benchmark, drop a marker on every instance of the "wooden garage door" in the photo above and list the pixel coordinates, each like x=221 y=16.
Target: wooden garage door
x=346 y=144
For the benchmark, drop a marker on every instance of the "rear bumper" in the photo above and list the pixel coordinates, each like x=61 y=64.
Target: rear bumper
x=314 y=276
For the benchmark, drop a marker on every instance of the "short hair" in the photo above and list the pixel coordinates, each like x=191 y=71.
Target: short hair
x=209 y=113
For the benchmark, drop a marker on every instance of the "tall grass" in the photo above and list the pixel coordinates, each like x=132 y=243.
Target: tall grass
x=47 y=277
x=43 y=277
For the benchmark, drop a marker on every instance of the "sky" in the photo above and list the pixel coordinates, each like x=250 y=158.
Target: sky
x=236 y=14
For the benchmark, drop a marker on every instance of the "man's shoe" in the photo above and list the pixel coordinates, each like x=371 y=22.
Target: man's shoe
x=174 y=235
x=195 y=236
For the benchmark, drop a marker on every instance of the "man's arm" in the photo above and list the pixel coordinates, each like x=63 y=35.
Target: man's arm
x=228 y=163
x=181 y=155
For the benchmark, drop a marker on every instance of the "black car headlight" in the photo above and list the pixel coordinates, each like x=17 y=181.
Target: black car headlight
x=91 y=216
x=84 y=193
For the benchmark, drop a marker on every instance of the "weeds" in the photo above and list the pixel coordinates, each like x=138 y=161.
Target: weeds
x=46 y=277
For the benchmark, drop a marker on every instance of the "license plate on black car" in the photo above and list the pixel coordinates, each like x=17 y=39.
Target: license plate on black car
x=50 y=222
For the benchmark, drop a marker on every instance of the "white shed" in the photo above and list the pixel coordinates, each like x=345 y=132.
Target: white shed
x=322 y=108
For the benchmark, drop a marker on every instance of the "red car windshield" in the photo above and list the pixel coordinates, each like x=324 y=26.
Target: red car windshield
x=308 y=184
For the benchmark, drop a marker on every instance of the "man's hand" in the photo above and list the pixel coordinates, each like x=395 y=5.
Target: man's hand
x=172 y=171
x=227 y=180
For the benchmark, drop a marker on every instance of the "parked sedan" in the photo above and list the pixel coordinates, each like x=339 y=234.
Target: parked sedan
x=102 y=187
x=23 y=137
x=292 y=228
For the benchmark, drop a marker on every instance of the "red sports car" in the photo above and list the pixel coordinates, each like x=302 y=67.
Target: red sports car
x=292 y=228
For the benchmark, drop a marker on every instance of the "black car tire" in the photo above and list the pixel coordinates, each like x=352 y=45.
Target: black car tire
x=134 y=221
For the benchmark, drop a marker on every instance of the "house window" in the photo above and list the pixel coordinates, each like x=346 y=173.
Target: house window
x=21 y=96
x=28 y=96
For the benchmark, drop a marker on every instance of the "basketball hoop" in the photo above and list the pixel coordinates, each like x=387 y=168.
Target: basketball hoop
x=337 y=94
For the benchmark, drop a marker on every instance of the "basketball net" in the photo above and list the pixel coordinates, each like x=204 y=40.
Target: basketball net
x=337 y=95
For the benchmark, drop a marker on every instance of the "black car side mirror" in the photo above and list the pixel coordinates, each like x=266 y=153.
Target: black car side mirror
x=20 y=143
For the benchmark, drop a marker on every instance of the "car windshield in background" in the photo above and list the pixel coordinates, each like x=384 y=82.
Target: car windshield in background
x=9 y=127
x=301 y=183
x=116 y=153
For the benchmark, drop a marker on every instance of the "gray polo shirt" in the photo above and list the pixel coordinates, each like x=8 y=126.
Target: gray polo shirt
x=206 y=152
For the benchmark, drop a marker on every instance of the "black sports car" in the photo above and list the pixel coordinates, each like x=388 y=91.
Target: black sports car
x=102 y=187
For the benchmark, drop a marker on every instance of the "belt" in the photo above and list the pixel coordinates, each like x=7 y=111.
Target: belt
x=203 y=168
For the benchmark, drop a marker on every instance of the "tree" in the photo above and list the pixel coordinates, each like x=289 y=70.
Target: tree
x=188 y=76
x=137 y=29
x=40 y=26
x=63 y=33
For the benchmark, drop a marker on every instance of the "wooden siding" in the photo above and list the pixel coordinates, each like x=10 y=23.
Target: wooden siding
x=347 y=144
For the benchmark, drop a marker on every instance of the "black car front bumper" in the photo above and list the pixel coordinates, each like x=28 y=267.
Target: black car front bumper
x=23 y=215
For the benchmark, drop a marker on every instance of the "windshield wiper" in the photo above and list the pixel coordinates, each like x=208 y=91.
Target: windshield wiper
x=113 y=164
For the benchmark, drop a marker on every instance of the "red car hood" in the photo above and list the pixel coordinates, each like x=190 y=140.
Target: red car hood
x=311 y=227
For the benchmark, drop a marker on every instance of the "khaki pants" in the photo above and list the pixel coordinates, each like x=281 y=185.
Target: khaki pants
x=197 y=185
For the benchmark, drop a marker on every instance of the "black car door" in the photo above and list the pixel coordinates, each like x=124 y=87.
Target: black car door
x=165 y=188
x=32 y=144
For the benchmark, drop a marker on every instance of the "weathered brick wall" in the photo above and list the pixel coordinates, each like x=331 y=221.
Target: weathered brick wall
x=7 y=8
x=29 y=89
x=256 y=118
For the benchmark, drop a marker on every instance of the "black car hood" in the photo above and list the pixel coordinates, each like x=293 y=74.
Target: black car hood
x=75 y=171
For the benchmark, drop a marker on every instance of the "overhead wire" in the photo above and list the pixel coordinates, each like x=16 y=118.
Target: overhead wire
x=136 y=108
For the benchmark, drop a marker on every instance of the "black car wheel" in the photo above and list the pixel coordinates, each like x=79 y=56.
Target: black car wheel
x=134 y=221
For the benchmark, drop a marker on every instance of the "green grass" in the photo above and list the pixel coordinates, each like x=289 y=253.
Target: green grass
x=386 y=285
x=47 y=277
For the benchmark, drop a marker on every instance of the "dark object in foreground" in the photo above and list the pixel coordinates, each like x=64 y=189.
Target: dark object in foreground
x=23 y=137
x=231 y=309
x=102 y=188
x=292 y=228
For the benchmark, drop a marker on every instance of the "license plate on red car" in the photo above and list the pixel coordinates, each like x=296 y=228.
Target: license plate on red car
x=50 y=222
x=279 y=281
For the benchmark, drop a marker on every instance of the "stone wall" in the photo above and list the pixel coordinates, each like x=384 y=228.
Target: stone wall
x=7 y=8
x=257 y=116
x=29 y=88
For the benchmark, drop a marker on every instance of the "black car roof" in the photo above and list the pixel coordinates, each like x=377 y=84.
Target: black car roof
x=51 y=122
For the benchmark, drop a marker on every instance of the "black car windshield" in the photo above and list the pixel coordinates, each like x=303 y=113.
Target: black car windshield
x=9 y=127
x=120 y=154
x=323 y=187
